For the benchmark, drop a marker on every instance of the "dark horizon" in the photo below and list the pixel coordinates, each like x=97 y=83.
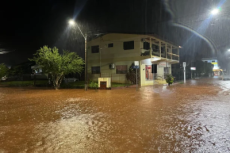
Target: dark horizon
x=28 y=28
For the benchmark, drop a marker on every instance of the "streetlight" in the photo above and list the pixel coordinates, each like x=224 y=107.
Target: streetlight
x=229 y=50
x=72 y=23
x=215 y=11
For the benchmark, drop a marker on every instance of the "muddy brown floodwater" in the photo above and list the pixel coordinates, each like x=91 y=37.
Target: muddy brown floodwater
x=182 y=118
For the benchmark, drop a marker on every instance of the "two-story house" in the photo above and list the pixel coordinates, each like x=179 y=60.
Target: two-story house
x=111 y=55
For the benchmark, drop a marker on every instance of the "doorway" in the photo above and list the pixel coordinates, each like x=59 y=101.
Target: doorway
x=103 y=85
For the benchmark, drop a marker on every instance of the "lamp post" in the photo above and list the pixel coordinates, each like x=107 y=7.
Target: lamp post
x=215 y=11
x=72 y=23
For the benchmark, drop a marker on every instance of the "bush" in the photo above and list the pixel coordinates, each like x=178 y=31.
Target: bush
x=93 y=85
x=169 y=79
x=131 y=75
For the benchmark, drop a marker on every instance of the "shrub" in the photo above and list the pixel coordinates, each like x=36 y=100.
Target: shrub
x=93 y=85
x=131 y=75
x=169 y=79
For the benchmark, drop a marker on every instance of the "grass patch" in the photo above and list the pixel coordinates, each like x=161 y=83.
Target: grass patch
x=77 y=84
x=18 y=83
x=44 y=83
x=24 y=83
x=120 y=84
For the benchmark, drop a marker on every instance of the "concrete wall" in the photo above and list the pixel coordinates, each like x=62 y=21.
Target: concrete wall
x=118 y=56
x=107 y=72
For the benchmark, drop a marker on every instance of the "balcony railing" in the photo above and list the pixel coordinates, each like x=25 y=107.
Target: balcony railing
x=156 y=52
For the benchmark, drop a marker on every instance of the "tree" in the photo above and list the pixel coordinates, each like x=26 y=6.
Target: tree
x=57 y=65
x=3 y=70
x=204 y=68
x=131 y=75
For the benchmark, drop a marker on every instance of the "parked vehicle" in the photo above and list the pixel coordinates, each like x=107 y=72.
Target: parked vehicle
x=4 y=78
x=70 y=80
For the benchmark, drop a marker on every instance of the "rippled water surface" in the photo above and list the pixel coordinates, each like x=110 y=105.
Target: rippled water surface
x=181 y=118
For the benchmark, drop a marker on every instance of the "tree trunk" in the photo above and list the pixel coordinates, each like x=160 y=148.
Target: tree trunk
x=57 y=81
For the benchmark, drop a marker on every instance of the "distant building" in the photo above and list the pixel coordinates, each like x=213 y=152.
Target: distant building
x=216 y=69
x=111 y=55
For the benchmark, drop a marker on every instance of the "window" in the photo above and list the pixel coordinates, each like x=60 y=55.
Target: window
x=128 y=45
x=110 y=45
x=95 y=49
x=162 y=49
x=96 y=70
x=121 y=69
x=213 y=61
x=146 y=45
x=155 y=48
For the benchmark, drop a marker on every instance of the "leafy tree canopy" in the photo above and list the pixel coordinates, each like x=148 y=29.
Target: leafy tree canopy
x=56 y=64
x=3 y=70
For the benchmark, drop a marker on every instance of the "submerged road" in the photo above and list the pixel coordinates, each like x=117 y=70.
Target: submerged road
x=191 y=117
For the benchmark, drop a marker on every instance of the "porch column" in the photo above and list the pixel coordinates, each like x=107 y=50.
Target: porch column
x=166 y=50
x=160 y=47
x=140 y=73
x=150 y=46
x=171 y=52
x=178 y=54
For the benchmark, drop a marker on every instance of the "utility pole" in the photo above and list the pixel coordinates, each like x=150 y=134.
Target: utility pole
x=184 y=65
x=86 y=80
x=72 y=22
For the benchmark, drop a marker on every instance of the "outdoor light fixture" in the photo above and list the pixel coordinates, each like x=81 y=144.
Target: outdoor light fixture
x=215 y=11
x=229 y=50
x=180 y=46
x=71 y=22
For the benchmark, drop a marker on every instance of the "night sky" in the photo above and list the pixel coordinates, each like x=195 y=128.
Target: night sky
x=28 y=25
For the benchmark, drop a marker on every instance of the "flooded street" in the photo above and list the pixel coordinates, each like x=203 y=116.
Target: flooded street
x=192 y=117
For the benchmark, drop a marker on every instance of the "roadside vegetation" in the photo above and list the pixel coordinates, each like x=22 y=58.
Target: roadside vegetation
x=57 y=65
x=63 y=85
x=3 y=70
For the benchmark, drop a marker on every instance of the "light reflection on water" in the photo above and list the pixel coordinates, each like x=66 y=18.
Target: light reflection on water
x=180 y=118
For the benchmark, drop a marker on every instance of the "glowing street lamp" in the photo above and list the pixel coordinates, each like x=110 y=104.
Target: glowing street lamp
x=229 y=50
x=215 y=11
x=72 y=23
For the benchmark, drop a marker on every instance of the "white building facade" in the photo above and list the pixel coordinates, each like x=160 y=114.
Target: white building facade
x=111 y=55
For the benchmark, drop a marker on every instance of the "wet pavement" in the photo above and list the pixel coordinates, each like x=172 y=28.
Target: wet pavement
x=191 y=117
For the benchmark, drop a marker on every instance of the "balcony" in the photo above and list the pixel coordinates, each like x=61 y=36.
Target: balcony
x=170 y=56
x=159 y=49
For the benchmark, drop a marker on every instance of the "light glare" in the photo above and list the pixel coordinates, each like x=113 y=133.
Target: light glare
x=215 y=11
x=71 y=22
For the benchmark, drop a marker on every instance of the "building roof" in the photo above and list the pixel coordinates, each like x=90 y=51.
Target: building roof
x=151 y=35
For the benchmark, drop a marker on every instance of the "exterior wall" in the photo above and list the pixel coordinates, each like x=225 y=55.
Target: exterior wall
x=118 y=56
x=160 y=71
x=115 y=53
x=107 y=72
